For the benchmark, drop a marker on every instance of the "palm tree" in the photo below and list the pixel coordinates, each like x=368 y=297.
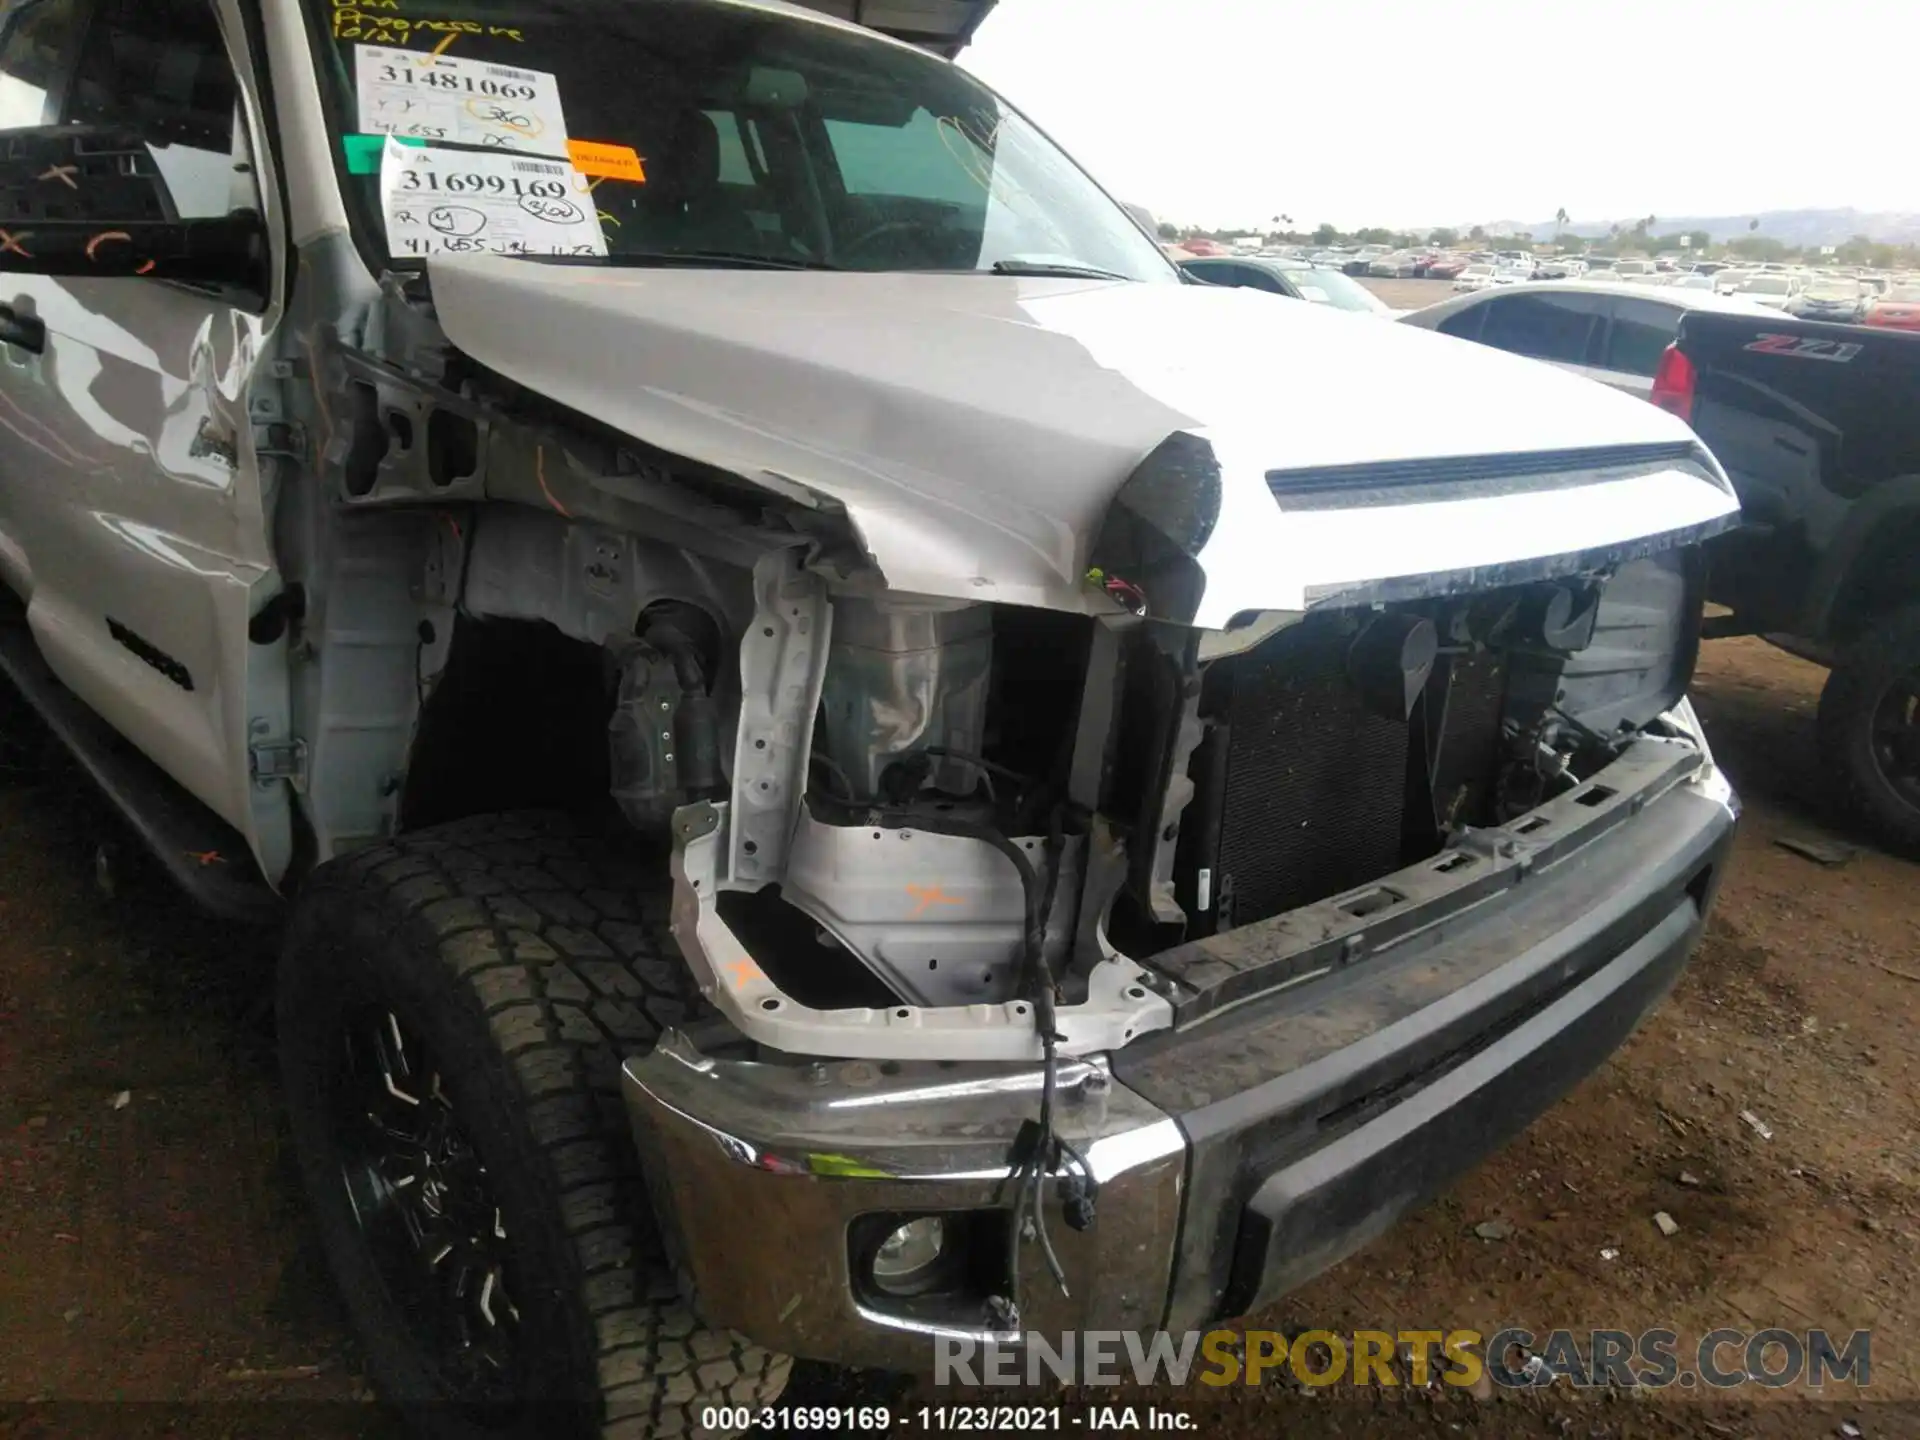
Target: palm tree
x=1559 y=221
x=1753 y=224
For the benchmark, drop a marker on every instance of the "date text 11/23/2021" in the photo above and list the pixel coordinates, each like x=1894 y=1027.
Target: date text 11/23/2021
x=945 y=1419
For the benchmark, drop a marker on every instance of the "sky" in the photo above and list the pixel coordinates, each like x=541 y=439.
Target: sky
x=1445 y=112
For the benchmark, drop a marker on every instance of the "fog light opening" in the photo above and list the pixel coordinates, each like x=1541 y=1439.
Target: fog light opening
x=911 y=1257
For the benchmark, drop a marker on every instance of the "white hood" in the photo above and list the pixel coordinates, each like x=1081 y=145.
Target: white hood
x=976 y=427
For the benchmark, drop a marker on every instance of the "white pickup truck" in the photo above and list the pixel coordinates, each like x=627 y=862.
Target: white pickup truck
x=842 y=757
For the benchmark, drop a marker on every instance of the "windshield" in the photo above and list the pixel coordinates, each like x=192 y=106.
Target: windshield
x=638 y=131
x=1834 y=290
x=1766 y=285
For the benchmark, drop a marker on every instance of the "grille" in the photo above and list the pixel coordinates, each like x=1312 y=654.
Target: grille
x=1315 y=784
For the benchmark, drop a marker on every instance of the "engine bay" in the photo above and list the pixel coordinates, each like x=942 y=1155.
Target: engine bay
x=1005 y=807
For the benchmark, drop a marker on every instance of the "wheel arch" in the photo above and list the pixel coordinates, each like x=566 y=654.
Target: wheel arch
x=1870 y=570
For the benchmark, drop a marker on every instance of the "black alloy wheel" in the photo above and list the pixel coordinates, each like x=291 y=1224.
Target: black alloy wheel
x=421 y=1197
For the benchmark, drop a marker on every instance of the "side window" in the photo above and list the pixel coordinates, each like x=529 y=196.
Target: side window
x=735 y=167
x=37 y=41
x=1547 y=327
x=915 y=161
x=1464 y=323
x=160 y=69
x=1642 y=330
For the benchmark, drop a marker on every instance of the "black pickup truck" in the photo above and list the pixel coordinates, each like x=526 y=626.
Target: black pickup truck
x=1818 y=425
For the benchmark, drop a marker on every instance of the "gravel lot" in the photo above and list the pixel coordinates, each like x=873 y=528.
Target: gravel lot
x=153 y=1246
x=1410 y=294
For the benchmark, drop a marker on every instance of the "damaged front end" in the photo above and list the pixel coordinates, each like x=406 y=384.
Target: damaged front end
x=936 y=804
x=1196 y=906
x=1114 y=947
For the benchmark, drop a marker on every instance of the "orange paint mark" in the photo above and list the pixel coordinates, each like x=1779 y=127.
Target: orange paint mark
x=64 y=174
x=147 y=267
x=204 y=858
x=540 y=474
x=10 y=243
x=928 y=896
x=744 y=973
x=103 y=237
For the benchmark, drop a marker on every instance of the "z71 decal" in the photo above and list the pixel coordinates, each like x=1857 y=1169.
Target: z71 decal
x=1806 y=348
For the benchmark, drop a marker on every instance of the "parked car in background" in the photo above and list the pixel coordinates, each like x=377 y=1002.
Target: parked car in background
x=1817 y=430
x=1694 y=281
x=1725 y=282
x=1898 y=309
x=1446 y=267
x=1477 y=276
x=1608 y=333
x=1395 y=265
x=1359 y=262
x=1769 y=289
x=1294 y=279
x=1830 y=297
x=1635 y=270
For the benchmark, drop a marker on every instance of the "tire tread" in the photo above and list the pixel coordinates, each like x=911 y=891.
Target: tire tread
x=571 y=970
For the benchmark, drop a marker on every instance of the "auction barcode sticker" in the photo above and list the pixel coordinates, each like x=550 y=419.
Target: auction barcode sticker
x=464 y=102
x=464 y=202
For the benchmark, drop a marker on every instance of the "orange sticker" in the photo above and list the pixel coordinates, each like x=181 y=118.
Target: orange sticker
x=609 y=162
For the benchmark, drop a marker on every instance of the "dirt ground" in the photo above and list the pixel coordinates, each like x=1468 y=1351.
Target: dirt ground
x=1411 y=294
x=153 y=1246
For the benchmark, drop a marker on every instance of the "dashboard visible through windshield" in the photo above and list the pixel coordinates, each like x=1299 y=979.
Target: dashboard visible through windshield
x=656 y=131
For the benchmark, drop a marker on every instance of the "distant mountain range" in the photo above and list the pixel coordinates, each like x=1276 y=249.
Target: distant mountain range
x=1790 y=227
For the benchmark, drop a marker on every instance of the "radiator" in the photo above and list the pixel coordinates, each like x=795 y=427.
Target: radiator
x=1313 y=785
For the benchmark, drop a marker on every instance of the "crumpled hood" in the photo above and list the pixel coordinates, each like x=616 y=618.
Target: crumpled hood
x=976 y=427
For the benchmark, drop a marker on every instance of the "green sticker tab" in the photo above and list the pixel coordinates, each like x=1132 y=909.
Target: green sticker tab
x=364 y=151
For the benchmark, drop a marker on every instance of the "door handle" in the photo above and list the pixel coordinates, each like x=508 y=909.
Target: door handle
x=29 y=332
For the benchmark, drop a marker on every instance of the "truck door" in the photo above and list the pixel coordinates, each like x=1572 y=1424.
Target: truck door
x=131 y=509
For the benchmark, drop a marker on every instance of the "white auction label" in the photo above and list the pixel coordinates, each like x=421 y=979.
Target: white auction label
x=454 y=202
x=464 y=102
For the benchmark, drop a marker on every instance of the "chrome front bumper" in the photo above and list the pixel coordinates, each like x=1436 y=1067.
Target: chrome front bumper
x=759 y=1171
x=1237 y=1154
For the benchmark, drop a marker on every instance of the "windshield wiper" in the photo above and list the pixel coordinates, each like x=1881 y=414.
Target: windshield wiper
x=725 y=259
x=1054 y=267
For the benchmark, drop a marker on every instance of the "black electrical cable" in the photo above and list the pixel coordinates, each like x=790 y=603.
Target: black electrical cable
x=992 y=767
x=1031 y=1167
x=1046 y=1143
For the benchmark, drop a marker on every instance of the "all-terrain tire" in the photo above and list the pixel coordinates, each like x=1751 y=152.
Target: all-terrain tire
x=1885 y=656
x=530 y=962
